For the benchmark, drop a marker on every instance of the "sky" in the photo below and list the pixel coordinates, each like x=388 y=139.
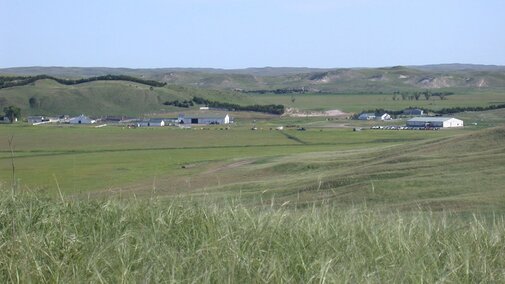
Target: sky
x=245 y=33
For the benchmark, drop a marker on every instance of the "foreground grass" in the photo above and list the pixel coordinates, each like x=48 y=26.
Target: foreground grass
x=179 y=240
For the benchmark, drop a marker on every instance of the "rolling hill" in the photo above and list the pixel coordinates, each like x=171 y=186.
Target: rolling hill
x=65 y=90
x=351 y=80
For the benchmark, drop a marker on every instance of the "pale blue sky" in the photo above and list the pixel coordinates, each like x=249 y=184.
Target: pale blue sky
x=247 y=33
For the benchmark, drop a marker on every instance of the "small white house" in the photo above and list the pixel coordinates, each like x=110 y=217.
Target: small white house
x=81 y=119
x=385 y=116
x=373 y=116
x=444 y=122
x=367 y=116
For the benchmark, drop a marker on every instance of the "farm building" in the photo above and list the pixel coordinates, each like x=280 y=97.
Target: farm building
x=42 y=119
x=367 y=116
x=5 y=119
x=413 y=111
x=434 y=122
x=153 y=122
x=385 y=116
x=223 y=119
x=81 y=119
x=373 y=116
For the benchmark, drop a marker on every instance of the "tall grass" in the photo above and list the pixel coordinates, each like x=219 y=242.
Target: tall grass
x=179 y=240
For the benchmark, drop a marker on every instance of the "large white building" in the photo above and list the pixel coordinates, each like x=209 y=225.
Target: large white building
x=435 y=122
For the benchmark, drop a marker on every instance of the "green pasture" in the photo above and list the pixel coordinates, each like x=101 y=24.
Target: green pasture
x=87 y=159
x=383 y=168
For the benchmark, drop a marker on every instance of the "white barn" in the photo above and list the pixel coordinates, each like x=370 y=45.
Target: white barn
x=385 y=116
x=81 y=119
x=444 y=122
x=223 y=119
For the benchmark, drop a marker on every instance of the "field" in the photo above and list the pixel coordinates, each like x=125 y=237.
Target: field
x=322 y=163
x=217 y=204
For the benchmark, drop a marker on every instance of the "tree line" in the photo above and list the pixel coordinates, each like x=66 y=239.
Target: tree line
x=273 y=109
x=6 y=82
x=397 y=95
x=177 y=103
x=276 y=91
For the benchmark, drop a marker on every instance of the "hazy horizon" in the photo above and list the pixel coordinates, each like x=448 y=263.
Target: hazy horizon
x=238 y=34
x=252 y=67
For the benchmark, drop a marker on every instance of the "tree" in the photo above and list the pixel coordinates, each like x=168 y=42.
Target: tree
x=427 y=95
x=34 y=102
x=12 y=112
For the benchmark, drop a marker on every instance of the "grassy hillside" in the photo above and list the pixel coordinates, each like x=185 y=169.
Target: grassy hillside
x=104 y=98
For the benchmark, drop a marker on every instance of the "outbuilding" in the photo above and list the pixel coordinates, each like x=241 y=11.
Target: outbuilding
x=81 y=119
x=413 y=111
x=444 y=122
x=385 y=116
x=153 y=122
x=222 y=119
x=367 y=116
x=35 y=120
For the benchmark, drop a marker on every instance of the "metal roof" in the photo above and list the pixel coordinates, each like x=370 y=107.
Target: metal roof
x=430 y=119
